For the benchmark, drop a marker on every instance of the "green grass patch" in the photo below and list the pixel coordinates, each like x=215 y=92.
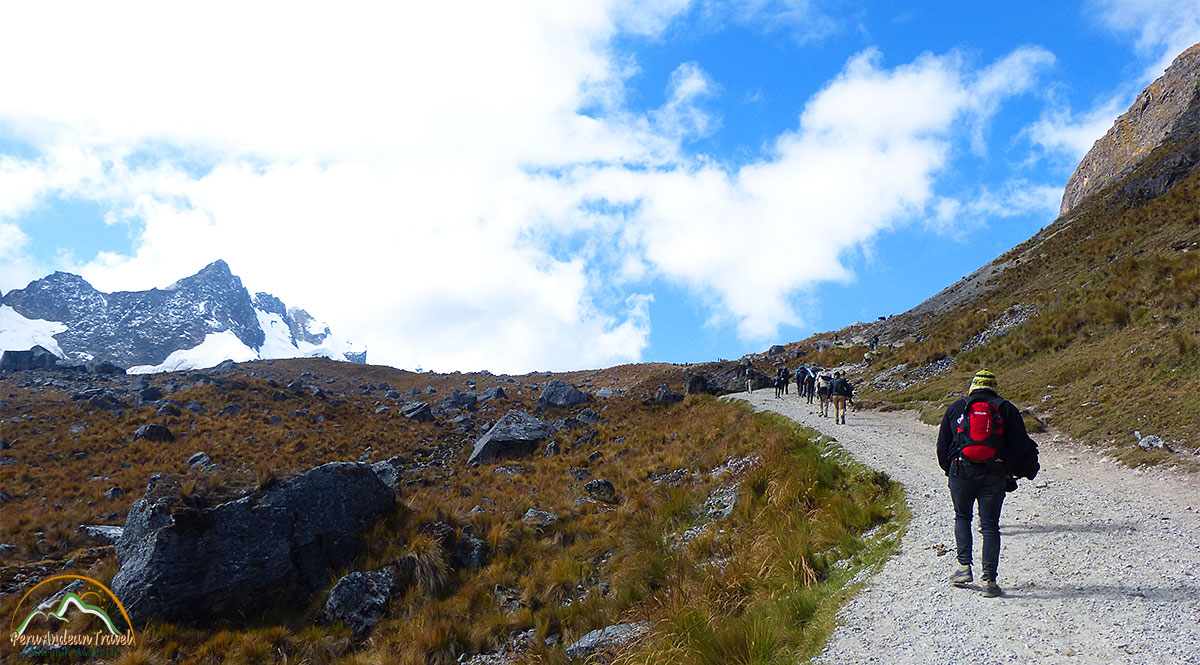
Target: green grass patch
x=810 y=521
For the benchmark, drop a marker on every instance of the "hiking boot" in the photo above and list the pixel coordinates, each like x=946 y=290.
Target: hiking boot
x=991 y=589
x=962 y=577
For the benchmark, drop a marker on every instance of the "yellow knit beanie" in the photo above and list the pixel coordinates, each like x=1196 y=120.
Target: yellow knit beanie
x=982 y=379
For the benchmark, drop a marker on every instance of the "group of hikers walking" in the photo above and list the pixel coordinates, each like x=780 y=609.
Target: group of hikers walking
x=813 y=383
x=982 y=446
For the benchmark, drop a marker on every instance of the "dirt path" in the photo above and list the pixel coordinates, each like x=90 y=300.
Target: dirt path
x=1099 y=563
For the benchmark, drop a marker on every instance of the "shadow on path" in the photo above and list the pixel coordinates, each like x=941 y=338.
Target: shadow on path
x=1071 y=528
x=1108 y=591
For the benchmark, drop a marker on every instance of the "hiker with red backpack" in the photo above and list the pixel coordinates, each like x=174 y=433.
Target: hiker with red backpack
x=983 y=447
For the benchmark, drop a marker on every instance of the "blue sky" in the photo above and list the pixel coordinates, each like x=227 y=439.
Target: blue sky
x=547 y=185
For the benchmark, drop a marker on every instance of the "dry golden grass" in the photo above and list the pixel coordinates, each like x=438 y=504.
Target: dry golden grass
x=599 y=564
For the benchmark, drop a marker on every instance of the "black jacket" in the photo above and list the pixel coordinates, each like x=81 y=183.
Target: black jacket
x=840 y=386
x=1021 y=452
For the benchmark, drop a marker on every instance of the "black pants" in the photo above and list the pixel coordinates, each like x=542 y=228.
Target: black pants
x=984 y=484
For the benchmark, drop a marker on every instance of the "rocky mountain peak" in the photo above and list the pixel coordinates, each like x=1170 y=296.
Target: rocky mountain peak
x=145 y=328
x=216 y=273
x=1168 y=110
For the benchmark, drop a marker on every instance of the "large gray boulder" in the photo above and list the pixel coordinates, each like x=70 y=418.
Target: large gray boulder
x=517 y=434
x=666 y=397
x=721 y=378
x=458 y=400
x=559 y=393
x=153 y=432
x=495 y=392
x=35 y=358
x=243 y=556
x=418 y=411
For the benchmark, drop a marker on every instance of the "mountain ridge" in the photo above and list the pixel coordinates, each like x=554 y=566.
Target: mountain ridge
x=197 y=321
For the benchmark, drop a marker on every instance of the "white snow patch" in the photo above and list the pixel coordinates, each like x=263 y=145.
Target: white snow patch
x=18 y=333
x=278 y=342
x=332 y=347
x=316 y=327
x=216 y=348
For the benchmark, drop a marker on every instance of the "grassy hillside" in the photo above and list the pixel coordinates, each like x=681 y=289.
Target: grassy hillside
x=760 y=585
x=1113 y=343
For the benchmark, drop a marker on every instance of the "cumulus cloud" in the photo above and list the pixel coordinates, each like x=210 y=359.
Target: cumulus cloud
x=954 y=217
x=433 y=186
x=1060 y=131
x=864 y=158
x=1162 y=29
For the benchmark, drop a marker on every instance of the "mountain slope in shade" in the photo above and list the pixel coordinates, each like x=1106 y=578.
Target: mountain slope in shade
x=196 y=322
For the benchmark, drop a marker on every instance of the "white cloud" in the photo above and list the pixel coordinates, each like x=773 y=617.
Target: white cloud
x=1162 y=29
x=804 y=20
x=429 y=184
x=866 y=154
x=1013 y=74
x=1016 y=198
x=1062 y=132
x=681 y=117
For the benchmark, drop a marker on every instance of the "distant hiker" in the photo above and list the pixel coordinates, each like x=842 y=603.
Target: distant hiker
x=823 y=382
x=801 y=375
x=779 y=383
x=810 y=384
x=982 y=446
x=841 y=392
x=749 y=379
x=875 y=339
x=787 y=377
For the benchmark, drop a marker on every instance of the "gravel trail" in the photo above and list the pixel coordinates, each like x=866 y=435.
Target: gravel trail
x=1099 y=563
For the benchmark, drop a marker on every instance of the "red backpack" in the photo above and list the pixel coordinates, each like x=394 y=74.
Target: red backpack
x=979 y=431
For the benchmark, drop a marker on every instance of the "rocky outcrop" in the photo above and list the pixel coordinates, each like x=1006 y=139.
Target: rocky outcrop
x=517 y=434
x=726 y=377
x=418 y=411
x=35 y=358
x=458 y=400
x=559 y=393
x=1166 y=111
x=184 y=563
x=495 y=392
x=666 y=397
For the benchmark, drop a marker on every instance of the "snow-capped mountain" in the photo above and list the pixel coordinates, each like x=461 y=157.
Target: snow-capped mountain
x=196 y=322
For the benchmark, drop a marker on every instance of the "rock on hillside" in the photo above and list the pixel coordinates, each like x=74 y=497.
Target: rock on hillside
x=243 y=556
x=1166 y=111
x=517 y=434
